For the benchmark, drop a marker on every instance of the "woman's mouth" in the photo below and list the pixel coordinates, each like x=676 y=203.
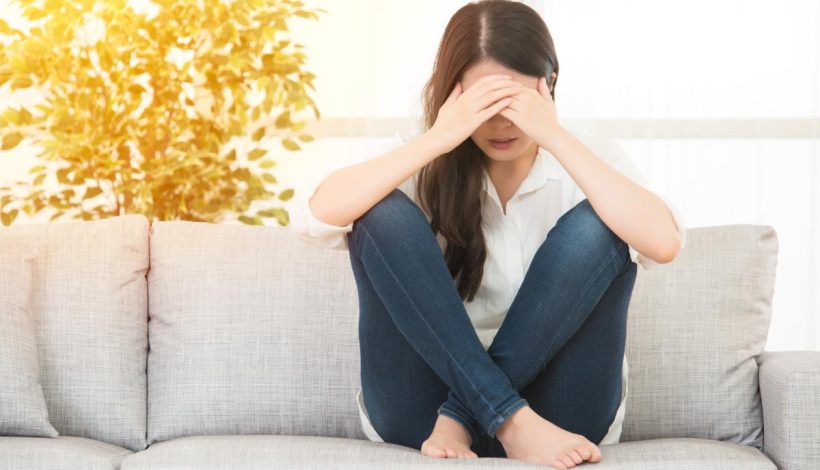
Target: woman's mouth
x=502 y=144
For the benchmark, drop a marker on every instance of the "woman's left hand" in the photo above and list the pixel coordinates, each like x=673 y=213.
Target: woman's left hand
x=533 y=111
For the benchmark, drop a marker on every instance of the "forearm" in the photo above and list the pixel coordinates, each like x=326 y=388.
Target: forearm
x=347 y=193
x=634 y=213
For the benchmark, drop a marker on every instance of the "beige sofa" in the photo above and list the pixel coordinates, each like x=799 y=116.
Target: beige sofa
x=193 y=345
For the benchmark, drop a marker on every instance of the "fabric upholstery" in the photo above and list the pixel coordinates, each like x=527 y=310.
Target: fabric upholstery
x=62 y=453
x=695 y=328
x=89 y=309
x=302 y=452
x=790 y=390
x=252 y=331
x=253 y=359
x=23 y=410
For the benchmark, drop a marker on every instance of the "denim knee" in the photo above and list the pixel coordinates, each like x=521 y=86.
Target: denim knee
x=586 y=230
x=395 y=214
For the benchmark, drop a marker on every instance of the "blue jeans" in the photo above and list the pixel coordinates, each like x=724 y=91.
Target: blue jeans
x=559 y=349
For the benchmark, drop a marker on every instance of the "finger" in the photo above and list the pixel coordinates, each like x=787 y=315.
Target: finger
x=454 y=93
x=481 y=87
x=496 y=95
x=493 y=85
x=494 y=109
x=528 y=91
x=543 y=89
x=487 y=79
x=515 y=105
x=507 y=113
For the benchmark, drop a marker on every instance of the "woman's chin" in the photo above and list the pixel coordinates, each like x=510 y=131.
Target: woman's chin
x=503 y=155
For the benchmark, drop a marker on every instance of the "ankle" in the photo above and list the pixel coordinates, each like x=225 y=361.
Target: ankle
x=512 y=423
x=450 y=426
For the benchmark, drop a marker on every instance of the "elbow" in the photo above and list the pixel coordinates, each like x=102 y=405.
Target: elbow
x=671 y=251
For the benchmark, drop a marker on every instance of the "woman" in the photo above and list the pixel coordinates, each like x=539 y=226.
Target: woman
x=493 y=277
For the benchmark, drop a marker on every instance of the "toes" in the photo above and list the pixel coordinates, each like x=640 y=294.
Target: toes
x=596 y=455
x=596 y=452
x=451 y=453
x=559 y=465
x=584 y=452
x=434 y=451
x=567 y=461
x=575 y=456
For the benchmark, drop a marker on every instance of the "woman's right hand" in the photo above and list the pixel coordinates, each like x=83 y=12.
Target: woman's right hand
x=462 y=113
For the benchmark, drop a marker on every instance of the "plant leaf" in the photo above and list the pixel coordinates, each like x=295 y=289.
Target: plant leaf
x=286 y=195
x=290 y=144
x=257 y=154
x=11 y=140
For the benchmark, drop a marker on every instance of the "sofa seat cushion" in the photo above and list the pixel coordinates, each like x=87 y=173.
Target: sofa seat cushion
x=241 y=452
x=63 y=452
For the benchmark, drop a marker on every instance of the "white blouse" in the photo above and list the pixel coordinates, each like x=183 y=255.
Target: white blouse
x=512 y=239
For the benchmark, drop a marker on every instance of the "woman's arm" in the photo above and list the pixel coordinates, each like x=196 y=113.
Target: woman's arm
x=348 y=192
x=636 y=214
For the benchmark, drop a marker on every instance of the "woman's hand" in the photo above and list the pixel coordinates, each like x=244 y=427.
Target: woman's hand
x=533 y=111
x=462 y=113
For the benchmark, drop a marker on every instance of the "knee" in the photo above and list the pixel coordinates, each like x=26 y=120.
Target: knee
x=588 y=233
x=396 y=211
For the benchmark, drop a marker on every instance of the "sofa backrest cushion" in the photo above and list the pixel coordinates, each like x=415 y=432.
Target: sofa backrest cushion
x=23 y=409
x=695 y=329
x=252 y=331
x=255 y=331
x=89 y=304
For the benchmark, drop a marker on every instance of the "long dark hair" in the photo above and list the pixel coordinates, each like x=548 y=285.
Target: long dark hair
x=449 y=188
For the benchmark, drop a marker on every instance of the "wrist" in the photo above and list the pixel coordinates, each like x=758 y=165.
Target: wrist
x=550 y=136
x=436 y=142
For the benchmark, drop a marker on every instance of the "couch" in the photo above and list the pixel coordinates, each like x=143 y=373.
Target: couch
x=184 y=345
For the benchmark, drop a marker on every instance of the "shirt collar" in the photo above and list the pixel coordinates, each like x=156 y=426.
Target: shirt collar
x=545 y=167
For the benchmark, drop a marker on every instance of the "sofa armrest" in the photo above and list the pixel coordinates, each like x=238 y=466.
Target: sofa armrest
x=790 y=392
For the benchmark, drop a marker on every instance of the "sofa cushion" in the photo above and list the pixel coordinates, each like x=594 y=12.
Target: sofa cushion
x=694 y=331
x=252 y=331
x=287 y=452
x=62 y=453
x=23 y=410
x=90 y=314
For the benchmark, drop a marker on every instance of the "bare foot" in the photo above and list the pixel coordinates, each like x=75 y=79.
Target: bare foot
x=448 y=440
x=526 y=436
